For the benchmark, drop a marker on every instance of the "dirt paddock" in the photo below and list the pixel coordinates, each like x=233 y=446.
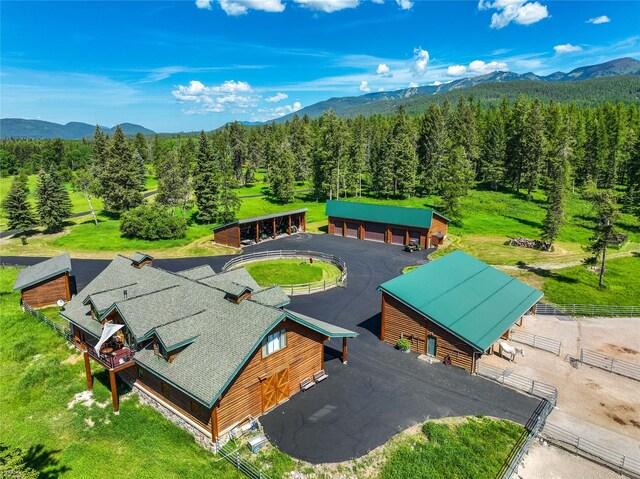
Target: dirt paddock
x=592 y=403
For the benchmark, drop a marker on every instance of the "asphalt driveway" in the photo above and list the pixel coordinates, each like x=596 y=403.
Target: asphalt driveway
x=381 y=391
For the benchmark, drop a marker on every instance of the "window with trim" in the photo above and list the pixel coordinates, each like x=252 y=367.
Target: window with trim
x=164 y=387
x=140 y=372
x=274 y=342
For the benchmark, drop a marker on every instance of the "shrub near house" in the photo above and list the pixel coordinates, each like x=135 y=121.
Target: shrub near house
x=152 y=222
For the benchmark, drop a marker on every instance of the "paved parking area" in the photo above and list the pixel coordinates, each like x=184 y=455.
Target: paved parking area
x=381 y=391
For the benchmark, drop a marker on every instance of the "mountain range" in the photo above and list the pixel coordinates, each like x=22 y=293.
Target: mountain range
x=22 y=128
x=385 y=102
x=616 y=80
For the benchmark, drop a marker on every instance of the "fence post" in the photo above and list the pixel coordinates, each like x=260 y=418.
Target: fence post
x=533 y=386
x=581 y=356
x=325 y=285
x=611 y=365
x=238 y=460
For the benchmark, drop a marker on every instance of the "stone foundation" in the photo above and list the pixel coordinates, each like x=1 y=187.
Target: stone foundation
x=201 y=438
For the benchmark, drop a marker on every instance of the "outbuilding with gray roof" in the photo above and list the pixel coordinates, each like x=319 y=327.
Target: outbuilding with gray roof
x=46 y=283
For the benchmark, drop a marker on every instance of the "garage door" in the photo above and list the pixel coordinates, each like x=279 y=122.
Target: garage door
x=337 y=230
x=397 y=236
x=352 y=230
x=374 y=231
x=414 y=235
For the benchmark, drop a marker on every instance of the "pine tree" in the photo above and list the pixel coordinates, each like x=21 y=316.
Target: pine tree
x=123 y=176
x=300 y=141
x=170 y=185
x=604 y=230
x=457 y=179
x=401 y=149
x=516 y=141
x=206 y=182
x=229 y=204
x=433 y=145
x=329 y=154
x=534 y=151
x=141 y=146
x=53 y=203
x=494 y=151
x=465 y=133
x=235 y=133
x=281 y=176
x=17 y=208
x=99 y=156
x=53 y=155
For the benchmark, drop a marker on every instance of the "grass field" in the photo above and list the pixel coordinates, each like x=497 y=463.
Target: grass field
x=39 y=376
x=473 y=449
x=290 y=271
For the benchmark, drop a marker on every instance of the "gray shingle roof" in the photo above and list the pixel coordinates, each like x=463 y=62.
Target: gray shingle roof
x=199 y=272
x=42 y=271
x=220 y=335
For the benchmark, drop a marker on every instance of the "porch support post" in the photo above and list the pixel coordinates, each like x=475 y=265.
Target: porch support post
x=214 y=423
x=344 y=350
x=257 y=231
x=274 y=228
x=87 y=371
x=114 y=391
x=289 y=230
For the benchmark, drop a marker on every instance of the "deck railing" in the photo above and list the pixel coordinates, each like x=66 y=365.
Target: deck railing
x=302 y=288
x=109 y=361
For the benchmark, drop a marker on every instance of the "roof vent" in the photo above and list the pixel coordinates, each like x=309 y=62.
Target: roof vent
x=125 y=294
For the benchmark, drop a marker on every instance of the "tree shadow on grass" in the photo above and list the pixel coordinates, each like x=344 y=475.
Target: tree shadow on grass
x=533 y=224
x=546 y=273
x=45 y=461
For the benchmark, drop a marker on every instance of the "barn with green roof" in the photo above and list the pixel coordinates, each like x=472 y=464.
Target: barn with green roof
x=454 y=308
x=387 y=224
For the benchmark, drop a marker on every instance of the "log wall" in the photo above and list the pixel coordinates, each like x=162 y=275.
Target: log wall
x=48 y=292
x=438 y=225
x=400 y=320
x=229 y=236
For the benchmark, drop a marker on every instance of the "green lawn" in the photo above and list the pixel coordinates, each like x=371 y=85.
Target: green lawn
x=39 y=376
x=290 y=271
x=579 y=285
x=473 y=449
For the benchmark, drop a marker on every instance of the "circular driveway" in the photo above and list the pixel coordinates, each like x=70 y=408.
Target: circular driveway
x=381 y=391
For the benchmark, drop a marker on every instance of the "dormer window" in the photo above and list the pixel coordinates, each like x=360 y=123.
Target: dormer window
x=274 y=342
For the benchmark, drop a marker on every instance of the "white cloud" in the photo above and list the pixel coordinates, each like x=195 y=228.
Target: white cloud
x=599 y=20
x=404 y=4
x=567 y=48
x=241 y=7
x=436 y=83
x=364 y=86
x=276 y=98
x=215 y=98
x=381 y=89
x=521 y=12
x=413 y=85
x=421 y=59
x=476 y=67
x=482 y=68
x=456 y=70
x=384 y=71
x=328 y=6
x=265 y=114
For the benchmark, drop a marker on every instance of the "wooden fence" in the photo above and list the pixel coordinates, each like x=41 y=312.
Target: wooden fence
x=302 y=288
x=230 y=452
x=538 y=342
x=62 y=331
x=599 y=360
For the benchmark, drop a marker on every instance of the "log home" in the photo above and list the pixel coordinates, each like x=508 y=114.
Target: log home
x=454 y=308
x=45 y=283
x=388 y=224
x=214 y=348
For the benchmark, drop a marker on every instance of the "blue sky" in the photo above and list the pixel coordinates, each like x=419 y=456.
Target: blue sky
x=190 y=65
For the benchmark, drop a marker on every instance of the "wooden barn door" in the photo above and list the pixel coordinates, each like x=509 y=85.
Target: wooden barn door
x=275 y=389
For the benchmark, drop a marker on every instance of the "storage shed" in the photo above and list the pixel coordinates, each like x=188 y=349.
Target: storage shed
x=253 y=230
x=454 y=308
x=387 y=224
x=43 y=284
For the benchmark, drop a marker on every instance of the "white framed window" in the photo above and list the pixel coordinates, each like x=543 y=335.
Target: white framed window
x=274 y=342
